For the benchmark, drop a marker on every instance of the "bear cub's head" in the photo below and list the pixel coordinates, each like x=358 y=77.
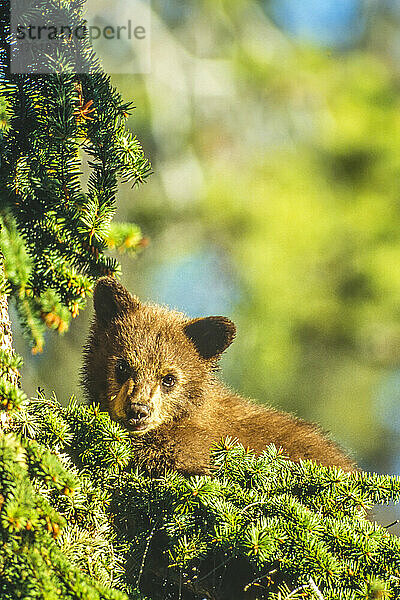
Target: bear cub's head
x=145 y=364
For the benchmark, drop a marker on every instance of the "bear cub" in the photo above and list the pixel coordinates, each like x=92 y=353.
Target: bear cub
x=153 y=370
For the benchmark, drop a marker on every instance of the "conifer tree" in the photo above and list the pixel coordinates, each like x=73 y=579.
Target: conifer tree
x=78 y=517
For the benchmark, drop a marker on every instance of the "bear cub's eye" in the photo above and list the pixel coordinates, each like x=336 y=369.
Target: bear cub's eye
x=168 y=380
x=123 y=371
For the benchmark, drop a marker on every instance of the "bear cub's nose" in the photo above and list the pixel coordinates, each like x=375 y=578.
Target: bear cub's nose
x=138 y=412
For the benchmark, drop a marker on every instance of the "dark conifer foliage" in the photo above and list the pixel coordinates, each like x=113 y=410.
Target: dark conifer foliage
x=51 y=127
x=259 y=528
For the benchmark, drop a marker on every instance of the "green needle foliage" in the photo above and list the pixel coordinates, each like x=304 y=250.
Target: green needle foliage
x=259 y=527
x=55 y=233
x=42 y=498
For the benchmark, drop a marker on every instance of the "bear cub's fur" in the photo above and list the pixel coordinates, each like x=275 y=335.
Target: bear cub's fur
x=153 y=370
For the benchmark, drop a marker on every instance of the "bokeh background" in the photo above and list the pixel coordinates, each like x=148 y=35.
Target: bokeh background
x=274 y=133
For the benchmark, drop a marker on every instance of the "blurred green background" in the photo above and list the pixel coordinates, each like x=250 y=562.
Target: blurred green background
x=274 y=133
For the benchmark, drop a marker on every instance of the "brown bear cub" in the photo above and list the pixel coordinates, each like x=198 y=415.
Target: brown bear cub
x=153 y=370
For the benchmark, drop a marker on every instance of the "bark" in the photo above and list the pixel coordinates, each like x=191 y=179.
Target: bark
x=6 y=344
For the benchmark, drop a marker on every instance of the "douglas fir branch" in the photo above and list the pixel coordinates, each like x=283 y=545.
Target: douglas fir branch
x=153 y=370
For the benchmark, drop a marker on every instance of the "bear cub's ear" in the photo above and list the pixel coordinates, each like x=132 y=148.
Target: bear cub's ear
x=110 y=298
x=211 y=335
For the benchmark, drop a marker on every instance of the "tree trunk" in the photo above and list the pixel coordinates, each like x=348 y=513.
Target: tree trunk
x=6 y=345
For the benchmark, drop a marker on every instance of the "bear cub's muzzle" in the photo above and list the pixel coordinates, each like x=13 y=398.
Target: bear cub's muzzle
x=137 y=416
